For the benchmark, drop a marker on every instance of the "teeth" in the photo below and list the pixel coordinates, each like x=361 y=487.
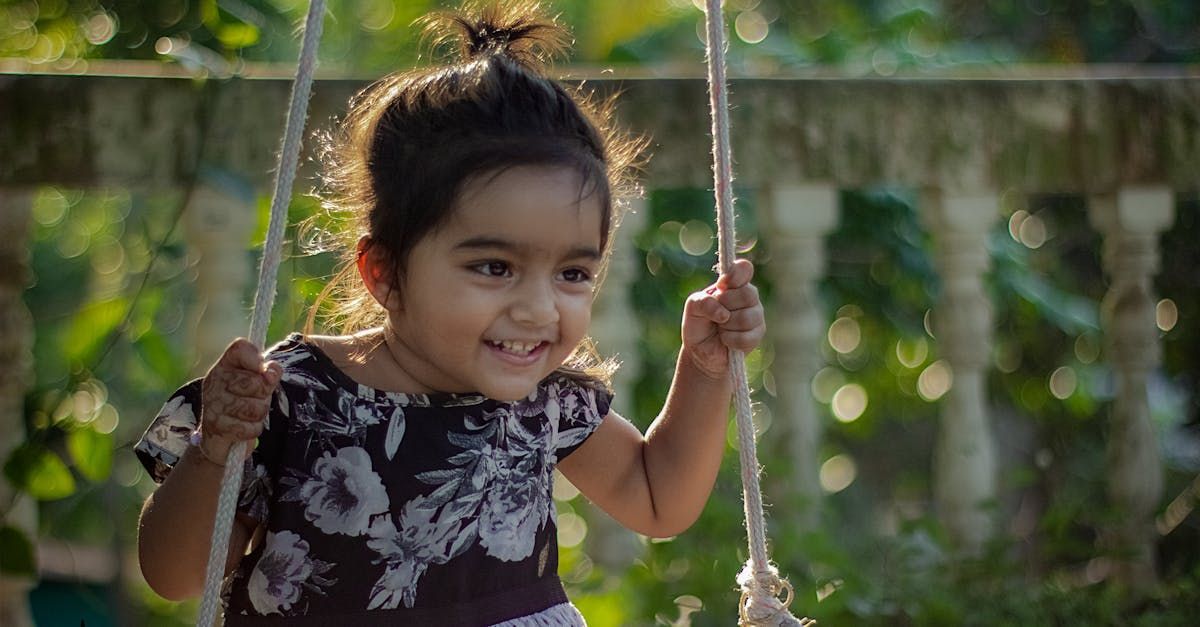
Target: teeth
x=521 y=348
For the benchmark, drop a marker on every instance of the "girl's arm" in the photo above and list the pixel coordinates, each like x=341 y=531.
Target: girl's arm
x=175 y=530
x=657 y=484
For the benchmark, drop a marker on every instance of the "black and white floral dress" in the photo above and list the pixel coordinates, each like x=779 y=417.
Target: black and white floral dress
x=397 y=509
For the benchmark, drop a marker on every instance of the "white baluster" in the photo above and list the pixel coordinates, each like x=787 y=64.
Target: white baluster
x=797 y=219
x=615 y=328
x=1131 y=221
x=218 y=221
x=614 y=322
x=16 y=346
x=964 y=457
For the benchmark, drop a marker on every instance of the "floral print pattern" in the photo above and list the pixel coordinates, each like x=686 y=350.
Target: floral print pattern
x=282 y=573
x=342 y=493
x=367 y=494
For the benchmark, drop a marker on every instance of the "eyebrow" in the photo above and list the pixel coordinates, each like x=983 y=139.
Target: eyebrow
x=484 y=242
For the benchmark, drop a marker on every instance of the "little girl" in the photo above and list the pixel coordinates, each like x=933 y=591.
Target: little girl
x=402 y=473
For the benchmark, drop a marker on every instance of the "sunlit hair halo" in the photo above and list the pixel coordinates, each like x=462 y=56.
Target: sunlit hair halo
x=394 y=165
x=517 y=30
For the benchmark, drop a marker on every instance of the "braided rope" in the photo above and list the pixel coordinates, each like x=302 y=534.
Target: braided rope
x=759 y=579
x=264 y=298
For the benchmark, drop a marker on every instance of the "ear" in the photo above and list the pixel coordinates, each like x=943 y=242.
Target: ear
x=378 y=274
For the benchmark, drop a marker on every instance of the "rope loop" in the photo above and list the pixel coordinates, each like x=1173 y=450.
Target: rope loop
x=749 y=613
x=761 y=602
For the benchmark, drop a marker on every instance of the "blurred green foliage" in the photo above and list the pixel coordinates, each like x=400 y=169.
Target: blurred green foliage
x=369 y=37
x=111 y=299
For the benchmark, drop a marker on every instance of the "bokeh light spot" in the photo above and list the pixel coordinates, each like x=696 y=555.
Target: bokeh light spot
x=73 y=240
x=885 y=62
x=762 y=418
x=844 y=335
x=1014 y=223
x=768 y=383
x=849 y=311
x=107 y=419
x=1166 y=314
x=108 y=256
x=1087 y=349
x=921 y=45
x=935 y=380
x=1063 y=382
x=912 y=353
x=837 y=473
x=50 y=206
x=572 y=529
x=751 y=27
x=849 y=402
x=1033 y=232
x=23 y=38
x=696 y=238
x=826 y=382
x=377 y=15
x=100 y=28
x=85 y=406
x=654 y=263
x=1007 y=357
x=564 y=490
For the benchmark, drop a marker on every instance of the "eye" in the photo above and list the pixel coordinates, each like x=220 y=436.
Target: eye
x=492 y=268
x=576 y=275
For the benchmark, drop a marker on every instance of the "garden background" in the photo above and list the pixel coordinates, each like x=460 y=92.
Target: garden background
x=110 y=282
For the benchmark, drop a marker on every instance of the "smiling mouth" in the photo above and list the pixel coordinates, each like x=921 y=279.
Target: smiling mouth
x=518 y=349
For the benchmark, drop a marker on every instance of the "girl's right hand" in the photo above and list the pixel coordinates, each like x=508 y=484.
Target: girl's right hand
x=235 y=398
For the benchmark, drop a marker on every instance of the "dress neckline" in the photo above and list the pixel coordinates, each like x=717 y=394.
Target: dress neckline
x=366 y=392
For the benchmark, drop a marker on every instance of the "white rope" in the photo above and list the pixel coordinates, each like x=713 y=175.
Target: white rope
x=264 y=298
x=759 y=579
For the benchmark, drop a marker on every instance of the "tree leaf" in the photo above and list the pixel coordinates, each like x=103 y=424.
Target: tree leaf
x=164 y=361
x=235 y=36
x=16 y=552
x=39 y=472
x=92 y=452
x=90 y=328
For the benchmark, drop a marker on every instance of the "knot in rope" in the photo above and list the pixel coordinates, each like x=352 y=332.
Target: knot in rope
x=761 y=605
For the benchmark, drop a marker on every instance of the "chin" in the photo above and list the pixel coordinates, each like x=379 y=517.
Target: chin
x=509 y=396
x=512 y=392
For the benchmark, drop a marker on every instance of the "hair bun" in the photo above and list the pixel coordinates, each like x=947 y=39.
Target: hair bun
x=519 y=30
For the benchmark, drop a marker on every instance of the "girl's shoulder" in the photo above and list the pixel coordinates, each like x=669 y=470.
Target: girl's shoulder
x=298 y=347
x=328 y=355
x=311 y=364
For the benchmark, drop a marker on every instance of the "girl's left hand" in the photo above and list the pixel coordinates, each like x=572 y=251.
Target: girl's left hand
x=727 y=314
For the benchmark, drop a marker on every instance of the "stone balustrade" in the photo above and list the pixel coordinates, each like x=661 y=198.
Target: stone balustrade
x=1128 y=139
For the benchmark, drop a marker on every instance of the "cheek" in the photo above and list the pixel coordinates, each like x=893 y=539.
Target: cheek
x=444 y=325
x=577 y=315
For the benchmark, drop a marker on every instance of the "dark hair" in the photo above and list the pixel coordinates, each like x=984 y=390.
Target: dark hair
x=409 y=143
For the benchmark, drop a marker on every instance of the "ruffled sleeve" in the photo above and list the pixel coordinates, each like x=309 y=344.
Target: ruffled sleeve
x=581 y=408
x=166 y=440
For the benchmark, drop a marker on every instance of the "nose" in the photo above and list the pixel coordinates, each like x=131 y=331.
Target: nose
x=535 y=304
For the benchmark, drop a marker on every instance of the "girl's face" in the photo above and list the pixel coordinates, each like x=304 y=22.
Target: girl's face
x=498 y=297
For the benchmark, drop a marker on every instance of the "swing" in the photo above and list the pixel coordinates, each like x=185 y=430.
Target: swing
x=760 y=604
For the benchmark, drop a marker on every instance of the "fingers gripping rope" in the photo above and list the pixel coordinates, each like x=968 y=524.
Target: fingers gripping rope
x=760 y=581
x=264 y=298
